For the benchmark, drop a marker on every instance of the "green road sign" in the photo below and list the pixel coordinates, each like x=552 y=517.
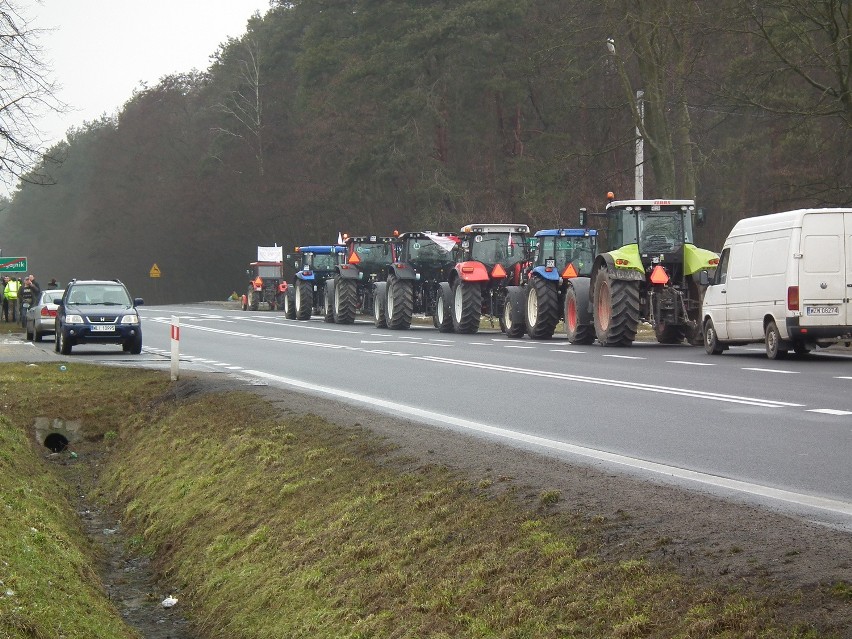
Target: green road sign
x=13 y=264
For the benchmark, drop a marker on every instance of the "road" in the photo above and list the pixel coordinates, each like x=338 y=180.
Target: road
x=776 y=433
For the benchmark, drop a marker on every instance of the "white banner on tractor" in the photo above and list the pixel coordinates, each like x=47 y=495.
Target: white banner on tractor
x=270 y=253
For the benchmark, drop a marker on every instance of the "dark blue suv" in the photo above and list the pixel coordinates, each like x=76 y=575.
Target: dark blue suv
x=98 y=312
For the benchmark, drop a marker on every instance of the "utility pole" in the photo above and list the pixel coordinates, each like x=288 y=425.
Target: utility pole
x=640 y=147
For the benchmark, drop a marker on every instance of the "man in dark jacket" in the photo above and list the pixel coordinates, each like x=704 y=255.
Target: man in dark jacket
x=30 y=293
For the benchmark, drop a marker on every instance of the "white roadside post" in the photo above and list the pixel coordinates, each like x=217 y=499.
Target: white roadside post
x=175 y=346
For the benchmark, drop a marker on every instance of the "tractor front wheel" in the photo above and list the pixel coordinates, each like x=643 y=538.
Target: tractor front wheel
x=290 y=303
x=443 y=319
x=328 y=302
x=467 y=306
x=304 y=299
x=254 y=300
x=616 y=309
x=542 y=308
x=576 y=332
x=510 y=327
x=669 y=333
x=379 y=297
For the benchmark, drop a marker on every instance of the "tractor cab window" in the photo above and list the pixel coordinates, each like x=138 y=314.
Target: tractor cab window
x=324 y=262
x=660 y=231
x=269 y=271
x=424 y=252
x=578 y=251
x=374 y=253
x=497 y=248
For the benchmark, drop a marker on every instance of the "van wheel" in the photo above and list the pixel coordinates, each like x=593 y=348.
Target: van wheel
x=776 y=348
x=711 y=342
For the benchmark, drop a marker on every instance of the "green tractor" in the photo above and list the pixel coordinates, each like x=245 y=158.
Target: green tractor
x=649 y=274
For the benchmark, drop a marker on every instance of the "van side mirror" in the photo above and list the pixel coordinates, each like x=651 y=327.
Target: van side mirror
x=584 y=218
x=704 y=278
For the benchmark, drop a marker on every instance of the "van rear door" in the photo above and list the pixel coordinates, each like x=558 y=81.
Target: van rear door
x=825 y=270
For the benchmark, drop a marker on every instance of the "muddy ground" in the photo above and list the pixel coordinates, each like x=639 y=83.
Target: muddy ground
x=716 y=542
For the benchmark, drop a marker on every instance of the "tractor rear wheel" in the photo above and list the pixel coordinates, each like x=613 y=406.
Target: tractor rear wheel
x=576 y=332
x=400 y=303
x=467 y=306
x=345 y=301
x=542 y=308
x=290 y=303
x=616 y=309
x=304 y=299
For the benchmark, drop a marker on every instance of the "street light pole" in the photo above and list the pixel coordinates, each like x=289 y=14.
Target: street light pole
x=640 y=147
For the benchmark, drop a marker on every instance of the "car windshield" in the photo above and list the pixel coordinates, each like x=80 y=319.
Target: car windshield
x=493 y=248
x=99 y=294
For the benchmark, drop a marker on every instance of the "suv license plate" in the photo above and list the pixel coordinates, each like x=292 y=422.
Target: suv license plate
x=108 y=328
x=822 y=310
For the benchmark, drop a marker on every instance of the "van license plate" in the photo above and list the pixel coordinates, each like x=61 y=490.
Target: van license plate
x=822 y=310
x=103 y=329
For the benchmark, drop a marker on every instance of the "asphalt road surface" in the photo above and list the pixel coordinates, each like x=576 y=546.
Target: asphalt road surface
x=777 y=433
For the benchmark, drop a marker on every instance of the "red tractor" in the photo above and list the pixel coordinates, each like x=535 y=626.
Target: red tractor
x=266 y=280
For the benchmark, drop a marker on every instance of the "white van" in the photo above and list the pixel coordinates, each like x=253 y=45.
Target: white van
x=784 y=279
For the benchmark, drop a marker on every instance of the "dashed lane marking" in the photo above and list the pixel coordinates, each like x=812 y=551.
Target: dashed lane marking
x=624 y=356
x=677 y=361
x=829 y=411
x=772 y=370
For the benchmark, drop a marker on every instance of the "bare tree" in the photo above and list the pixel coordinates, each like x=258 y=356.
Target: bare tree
x=26 y=92
x=244 y=103
x=812 y=40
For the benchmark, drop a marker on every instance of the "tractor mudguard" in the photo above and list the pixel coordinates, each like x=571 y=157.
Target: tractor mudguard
x=472 y=272
x=582 y=290
x=629 y=272
x=552 y=274
x=698 y=259
x=516 y=295
x=300 y=275
x=348 y=272
x=403 y=271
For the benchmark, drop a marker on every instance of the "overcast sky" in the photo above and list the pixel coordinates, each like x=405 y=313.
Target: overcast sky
x=101 y=50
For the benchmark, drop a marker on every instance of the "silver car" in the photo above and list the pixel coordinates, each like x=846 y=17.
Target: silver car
x=41 y=318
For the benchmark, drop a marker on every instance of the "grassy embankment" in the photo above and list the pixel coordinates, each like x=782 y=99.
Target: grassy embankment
x=290 y=527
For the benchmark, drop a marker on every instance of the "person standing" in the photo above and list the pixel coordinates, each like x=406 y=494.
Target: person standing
x=5 y=309
x=27 y=298
x=10 y=297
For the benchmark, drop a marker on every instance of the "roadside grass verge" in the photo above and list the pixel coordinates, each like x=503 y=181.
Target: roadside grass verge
x=294 y=527
x=49 y=583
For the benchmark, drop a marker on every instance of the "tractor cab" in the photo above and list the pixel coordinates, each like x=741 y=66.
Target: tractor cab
x=493 y=245
x=568 y=252
x=317 y=262
x=372 y=255
x=431 y=255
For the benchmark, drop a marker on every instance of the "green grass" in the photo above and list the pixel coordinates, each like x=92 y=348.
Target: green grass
x=293 y=527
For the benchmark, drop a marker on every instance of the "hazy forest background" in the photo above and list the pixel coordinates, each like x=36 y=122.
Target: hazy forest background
x=365 y=116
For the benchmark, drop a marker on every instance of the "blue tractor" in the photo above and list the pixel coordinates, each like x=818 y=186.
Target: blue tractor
x=314 y=265
x=547 y=293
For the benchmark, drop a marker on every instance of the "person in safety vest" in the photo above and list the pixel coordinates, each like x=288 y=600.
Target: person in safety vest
x=10 y=299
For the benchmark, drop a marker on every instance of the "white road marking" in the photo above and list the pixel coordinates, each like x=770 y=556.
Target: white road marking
x=843 y=378
x=772 y=370
x=437 y=339
x=696 y=394
x=563 y=350
x=677 y=361
x=381 y=335
x=516 y=346
x=829 y=411
x=396 y=341
x=624 y=356
x=407 y=337
x=395 y=408
x=666 y=390
x=480 y=344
